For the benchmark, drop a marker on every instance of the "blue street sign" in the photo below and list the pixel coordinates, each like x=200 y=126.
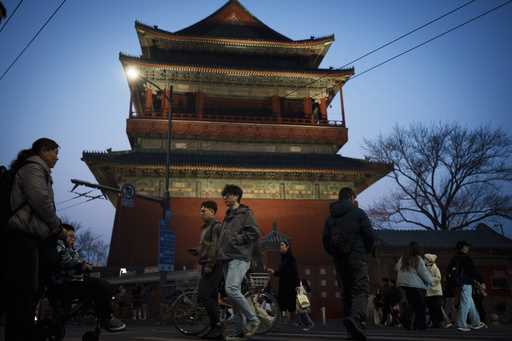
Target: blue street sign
x=167 y=248
x=128 y=195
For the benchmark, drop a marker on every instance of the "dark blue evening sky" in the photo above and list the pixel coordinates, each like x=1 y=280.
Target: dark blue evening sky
x=69 y=84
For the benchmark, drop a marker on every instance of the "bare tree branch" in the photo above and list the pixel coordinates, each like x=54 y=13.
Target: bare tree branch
x=448 y=176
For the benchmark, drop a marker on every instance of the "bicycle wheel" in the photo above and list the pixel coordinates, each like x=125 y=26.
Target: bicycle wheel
x=188 y=316
x=267 y=310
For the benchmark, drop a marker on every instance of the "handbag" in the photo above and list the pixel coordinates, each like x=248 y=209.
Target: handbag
x=302 y=298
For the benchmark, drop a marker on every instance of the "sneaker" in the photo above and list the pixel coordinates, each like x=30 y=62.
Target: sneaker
x=479 y=326
x=354 y=329
x=252 y=327
x=448 y=325
x=113 y=325
x=464 y=329
x=214 y=334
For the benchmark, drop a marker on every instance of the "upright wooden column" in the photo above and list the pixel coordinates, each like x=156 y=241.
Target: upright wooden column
x=342 y=108
x=323 y=109
x=148 y=106
x=308 y=109
x=276 y=107
x=199 y=99
x=165 y=102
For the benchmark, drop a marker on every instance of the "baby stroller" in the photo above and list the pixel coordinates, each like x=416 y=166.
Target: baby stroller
x=53 y=312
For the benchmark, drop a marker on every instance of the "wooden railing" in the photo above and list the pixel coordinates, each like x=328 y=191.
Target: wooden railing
x=243 y=119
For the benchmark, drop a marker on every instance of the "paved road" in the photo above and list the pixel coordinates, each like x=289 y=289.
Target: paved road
x=160 y=333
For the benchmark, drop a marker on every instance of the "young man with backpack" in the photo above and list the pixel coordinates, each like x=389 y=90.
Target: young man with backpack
x=461 y=275
x=29 y=221
x=348 y=237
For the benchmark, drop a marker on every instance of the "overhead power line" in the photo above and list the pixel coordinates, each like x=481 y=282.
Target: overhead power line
x=432 y=39
x=386 y=44
x=32 y=40
x=10 y=16
x=80 y=203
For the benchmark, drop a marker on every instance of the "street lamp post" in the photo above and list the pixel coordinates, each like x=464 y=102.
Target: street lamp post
x=133 y=74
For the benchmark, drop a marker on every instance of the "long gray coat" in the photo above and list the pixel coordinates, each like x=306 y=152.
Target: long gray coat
x=32 y=188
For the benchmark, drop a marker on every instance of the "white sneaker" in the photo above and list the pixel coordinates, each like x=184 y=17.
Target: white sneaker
x=479 y=326
x=464 y=329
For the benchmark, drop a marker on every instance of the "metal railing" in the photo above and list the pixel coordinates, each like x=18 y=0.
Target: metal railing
x=246 y=118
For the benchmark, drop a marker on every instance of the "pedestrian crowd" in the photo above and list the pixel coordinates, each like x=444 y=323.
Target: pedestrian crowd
x=422 y=297
x=39 y=256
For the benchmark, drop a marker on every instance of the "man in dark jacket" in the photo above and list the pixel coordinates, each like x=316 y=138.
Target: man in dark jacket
x=211 y=270
x=348 y=237
x=236 y=245
x=462 y=274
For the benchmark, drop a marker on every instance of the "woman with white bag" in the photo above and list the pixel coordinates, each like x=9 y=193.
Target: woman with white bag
x=303 y=306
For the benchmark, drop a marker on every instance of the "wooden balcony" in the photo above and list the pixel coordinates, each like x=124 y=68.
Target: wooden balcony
x=245 y=118
x=231 y=128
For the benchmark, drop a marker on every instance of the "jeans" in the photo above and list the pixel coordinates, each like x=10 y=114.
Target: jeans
x=467 y=308
x=234 y=273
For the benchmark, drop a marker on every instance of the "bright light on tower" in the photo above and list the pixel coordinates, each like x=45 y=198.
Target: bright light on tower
x=132 y=73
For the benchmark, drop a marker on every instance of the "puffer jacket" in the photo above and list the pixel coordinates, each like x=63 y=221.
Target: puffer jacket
x=436 y=289
x=413 y=278
x=69 y=267
x=209 y=244
x=347 y=231
x=32 y=191
x=239 y=234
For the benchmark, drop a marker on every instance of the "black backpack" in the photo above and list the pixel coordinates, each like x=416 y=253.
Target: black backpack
x=455 y=274
x=341 y=241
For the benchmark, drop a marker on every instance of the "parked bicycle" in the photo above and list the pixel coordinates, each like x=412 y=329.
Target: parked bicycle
x=190 y=318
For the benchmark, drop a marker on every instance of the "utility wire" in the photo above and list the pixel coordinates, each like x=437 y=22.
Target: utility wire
x=32 y=40
x=80 y=203
x=9 y=18
x=431 y=39
x=78 y=195
x=386 y=44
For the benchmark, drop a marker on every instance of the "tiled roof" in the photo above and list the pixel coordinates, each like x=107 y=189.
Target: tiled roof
x=233 y=21
x=482 y=237
x=235 y=160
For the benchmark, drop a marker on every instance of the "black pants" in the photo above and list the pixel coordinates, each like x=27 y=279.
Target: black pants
x=22 y=272
x=97 y=290
x=352 y=275
x=479 y=304
x=208 y=293
x=415 y=305
x=434 y=304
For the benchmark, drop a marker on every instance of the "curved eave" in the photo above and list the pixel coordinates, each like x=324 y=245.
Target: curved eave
x=241 y=162
x=341 y=75
x=148 y=33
